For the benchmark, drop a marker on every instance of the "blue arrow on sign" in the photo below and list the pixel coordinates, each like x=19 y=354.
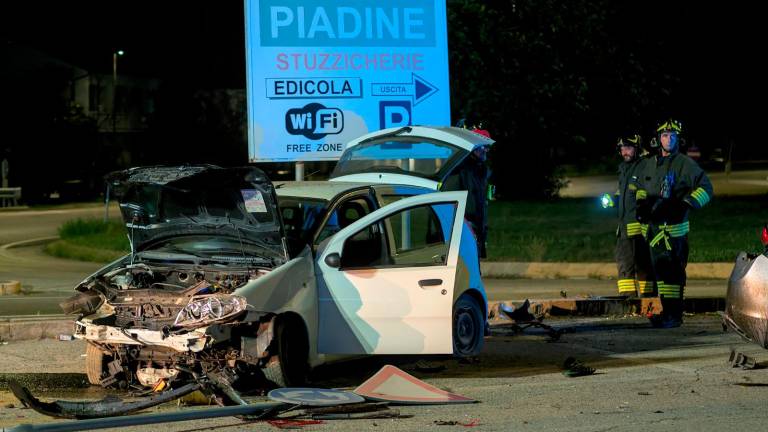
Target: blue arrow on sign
x=418 y=89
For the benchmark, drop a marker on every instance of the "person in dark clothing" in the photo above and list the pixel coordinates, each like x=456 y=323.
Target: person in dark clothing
x=633 y=257
x=472 y=175
x=671 y=184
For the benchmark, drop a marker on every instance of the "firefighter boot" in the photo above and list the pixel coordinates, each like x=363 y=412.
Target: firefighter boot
x=672 y=314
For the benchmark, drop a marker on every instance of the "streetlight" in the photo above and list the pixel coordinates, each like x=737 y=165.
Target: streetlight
x=115 y=55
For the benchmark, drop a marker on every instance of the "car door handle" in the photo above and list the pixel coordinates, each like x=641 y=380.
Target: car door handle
x=430 y=282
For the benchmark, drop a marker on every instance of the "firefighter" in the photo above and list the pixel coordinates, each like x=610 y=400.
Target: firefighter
x=473 y=175
x=670 y=185
x=632 y=254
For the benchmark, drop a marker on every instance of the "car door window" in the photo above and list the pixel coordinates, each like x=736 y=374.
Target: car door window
x=301 y=216
x=344 y=215
x=419 y=236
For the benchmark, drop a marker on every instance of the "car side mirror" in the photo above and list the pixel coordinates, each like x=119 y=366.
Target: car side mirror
x=333 y=260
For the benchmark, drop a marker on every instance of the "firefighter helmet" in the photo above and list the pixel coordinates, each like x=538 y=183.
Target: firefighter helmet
x=674 y=128
x=629 y=141
x=670 y=126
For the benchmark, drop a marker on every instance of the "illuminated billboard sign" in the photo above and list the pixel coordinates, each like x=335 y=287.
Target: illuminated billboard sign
x=322 y=72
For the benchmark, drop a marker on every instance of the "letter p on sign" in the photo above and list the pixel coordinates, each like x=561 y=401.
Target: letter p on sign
x=394 y=114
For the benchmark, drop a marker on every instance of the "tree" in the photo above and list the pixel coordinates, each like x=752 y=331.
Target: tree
x=551 y=80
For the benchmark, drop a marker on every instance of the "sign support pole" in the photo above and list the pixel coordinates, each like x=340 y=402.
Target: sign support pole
x=299 y=171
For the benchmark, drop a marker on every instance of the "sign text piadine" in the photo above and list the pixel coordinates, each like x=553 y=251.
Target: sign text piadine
x=291 y=23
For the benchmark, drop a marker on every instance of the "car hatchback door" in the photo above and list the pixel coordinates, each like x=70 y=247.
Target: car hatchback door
x=413 y=155
x=385 y=283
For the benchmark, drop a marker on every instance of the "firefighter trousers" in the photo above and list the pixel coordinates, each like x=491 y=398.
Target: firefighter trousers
x=670 y=258
x=633 y=260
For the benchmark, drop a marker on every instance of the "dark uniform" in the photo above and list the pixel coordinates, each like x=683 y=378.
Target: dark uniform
x=669 y=187
x=633 y=257
x=472 y=176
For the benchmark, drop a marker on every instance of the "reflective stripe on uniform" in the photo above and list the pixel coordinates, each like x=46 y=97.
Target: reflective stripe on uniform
x=626 y=286
x=669 y=290
x=667 y=231
x=701 y=196
x=679 y=230
x=646 y=287
x=663 y=234
x=644 y=229
x=633 y=229
x=641 y=194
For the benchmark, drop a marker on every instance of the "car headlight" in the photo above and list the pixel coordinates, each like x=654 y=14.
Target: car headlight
x=207 y=309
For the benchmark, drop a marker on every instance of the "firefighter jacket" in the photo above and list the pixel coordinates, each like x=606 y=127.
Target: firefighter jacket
x=472 y=176
x=669 y=187
x=626 y=197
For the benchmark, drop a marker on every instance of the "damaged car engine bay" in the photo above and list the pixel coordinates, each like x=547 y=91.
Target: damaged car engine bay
x=169 y=313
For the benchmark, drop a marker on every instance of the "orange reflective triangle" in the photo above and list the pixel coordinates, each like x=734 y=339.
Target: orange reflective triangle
x=391 y=384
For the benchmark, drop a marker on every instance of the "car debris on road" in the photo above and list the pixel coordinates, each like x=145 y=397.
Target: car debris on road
x=388 y=386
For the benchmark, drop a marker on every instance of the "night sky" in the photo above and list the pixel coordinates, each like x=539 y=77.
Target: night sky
x=712 y=47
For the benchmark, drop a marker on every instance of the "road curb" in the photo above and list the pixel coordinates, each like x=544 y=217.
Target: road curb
x=569 y=270
x=6 y=253
x=15 y=328
x=605 y=306
x=30 y=242
x=35 y=327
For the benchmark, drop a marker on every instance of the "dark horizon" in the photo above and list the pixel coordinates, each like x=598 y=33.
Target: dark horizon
x=644 y=62
x=201 y=45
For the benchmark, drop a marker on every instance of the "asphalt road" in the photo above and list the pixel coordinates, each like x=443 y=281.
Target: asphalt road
x=30 y=224
x=646 y=379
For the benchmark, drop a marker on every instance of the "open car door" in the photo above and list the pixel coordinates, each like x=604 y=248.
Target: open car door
x=385 y=282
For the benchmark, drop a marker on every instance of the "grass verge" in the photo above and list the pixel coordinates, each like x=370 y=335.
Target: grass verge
x=90 y=240
x=578 y=230
x=564 y=230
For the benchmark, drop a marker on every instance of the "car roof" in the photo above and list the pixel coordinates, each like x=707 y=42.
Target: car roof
x=315 y=189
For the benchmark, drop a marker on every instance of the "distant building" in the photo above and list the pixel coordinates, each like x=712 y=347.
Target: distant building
x=81 y=123
x=132 y=100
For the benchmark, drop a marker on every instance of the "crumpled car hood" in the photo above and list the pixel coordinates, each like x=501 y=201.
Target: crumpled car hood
x=161 y=202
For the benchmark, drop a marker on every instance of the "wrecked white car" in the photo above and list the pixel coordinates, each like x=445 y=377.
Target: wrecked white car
x=234 y=275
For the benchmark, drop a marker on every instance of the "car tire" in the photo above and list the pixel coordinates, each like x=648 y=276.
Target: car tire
x=291 y=367
x=468 y=327
x=95 y=363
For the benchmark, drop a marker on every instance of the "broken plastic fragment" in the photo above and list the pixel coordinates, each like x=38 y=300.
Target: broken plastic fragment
x=738 y=359
x=574 y=368
x=107 y=407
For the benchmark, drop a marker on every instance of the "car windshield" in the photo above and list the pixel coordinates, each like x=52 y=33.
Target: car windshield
x=418 y=157
x=301 y=216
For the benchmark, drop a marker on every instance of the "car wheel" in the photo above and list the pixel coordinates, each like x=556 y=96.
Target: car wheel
x=467 y=327
x=95 y=363
x=291 y=367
